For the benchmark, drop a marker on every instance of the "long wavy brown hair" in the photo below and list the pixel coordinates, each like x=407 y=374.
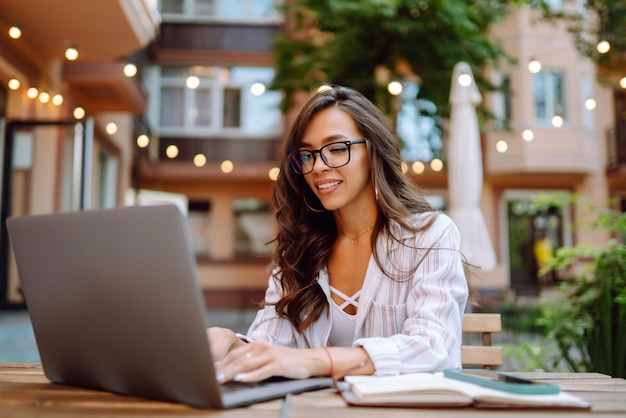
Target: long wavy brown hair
x=307 y=232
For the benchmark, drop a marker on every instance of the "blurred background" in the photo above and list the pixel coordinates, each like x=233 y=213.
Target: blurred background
x=137 y=102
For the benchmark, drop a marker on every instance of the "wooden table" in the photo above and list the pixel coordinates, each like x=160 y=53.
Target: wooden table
x=26 y=393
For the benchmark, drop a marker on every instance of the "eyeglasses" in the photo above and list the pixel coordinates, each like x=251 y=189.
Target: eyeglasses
x=334 y=155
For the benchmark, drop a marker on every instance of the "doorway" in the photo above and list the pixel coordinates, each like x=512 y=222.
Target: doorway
x=45 y=169
x=532 y=233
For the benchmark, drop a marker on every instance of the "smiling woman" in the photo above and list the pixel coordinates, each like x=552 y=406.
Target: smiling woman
x=368 y=277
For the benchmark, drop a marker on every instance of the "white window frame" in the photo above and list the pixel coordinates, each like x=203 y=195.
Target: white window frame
x=550 y=96
x=216 y=86
x=189 y=14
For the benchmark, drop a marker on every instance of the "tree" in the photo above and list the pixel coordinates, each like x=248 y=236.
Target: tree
x=610 y=27
x=366 y=43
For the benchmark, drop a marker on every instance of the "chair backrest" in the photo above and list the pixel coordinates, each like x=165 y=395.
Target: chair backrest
x=485 y=355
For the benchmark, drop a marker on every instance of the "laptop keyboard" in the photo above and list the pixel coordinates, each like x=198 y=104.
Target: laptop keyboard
x=231 y=386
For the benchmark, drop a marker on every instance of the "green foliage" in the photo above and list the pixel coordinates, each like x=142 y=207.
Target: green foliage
x=612 y=21
x=348 y=41
x=590 y=316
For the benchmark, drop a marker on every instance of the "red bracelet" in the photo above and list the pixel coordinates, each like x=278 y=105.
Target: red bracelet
x=330 y=359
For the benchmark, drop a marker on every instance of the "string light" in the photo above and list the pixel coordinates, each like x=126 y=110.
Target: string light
x=44 y=97
x=590 y=104
x=622 y=83
x=603 y=46
x=111 y=128
x=15 y=32
x=257 y=89
x=78 y=113
x=130 y=70
x=418 y=167
x=502 y=146
x=273 y=173
x=32 y=93
x=14 y=84
x=171 y=151
x=323 y=87
x=465 y=79
x=394 y=88
x=71 y=53
x=534 y=66
x=143 y=141
x=192 y=82
x=199 y=160
x=57 y=100
x=436 y=164
x=557 y=121
x=227 y=166
x=528 y=135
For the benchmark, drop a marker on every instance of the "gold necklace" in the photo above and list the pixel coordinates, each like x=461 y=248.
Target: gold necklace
x=362 y=233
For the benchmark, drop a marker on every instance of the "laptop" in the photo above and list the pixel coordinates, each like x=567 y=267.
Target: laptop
x=116 y=305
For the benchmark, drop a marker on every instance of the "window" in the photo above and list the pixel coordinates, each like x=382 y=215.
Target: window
x=222 y=10
x=205 y=101
x=549 y=89
x=254 y=227
x=107 y=180
x=502 y=101
x=417 y=126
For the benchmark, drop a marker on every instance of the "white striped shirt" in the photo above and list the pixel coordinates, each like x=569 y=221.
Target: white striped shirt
x=405 y=326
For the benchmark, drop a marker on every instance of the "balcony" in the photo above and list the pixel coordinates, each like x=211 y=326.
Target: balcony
x=564 y=151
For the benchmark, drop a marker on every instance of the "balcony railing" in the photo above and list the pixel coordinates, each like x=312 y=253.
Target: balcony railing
x=220 y=149
x=616 y=145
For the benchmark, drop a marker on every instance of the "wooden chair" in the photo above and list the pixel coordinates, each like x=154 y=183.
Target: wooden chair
x=484 y=356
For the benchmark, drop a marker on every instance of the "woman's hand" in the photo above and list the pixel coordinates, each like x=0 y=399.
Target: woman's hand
x=222 y=340
x=258 y=360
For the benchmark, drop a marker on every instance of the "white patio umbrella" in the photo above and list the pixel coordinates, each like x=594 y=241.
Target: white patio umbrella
x=465 y=169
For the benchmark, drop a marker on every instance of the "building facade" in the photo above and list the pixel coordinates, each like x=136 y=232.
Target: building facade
x=200 y=128
x=67 y=120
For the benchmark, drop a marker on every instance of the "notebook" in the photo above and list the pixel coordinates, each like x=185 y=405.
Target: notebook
x=115 y=305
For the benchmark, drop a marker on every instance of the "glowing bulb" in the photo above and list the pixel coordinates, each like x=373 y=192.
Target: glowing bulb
x=79 y=113
x=465 y=79
x=57 y=100
x=273 y=174
x=15 y=32
x=603 y=47
x=32 y=93
x=130 y=70
x=502 y=146
x=171 y=151
x=557 y=121
x=199 y=160
x=528 y=135
x=257 y=89
x=111 y=128
x=192 y=82
x=622 y=83
x=436 y=164
x=418 y=167
x=44 y=97
x=590 y=104
x=71 y=53
x=534 y=66
x=394 y=88
x=227 y=166
x=143 y=141
x=14 y=84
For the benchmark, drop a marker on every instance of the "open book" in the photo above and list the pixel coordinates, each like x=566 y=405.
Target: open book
x=435 y=390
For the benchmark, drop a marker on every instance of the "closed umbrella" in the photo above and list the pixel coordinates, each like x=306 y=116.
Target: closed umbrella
x=465 y=169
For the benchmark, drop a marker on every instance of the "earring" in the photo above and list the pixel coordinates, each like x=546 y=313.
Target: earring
x=309 y=207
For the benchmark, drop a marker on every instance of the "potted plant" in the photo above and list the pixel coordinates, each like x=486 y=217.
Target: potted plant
x=588 y=323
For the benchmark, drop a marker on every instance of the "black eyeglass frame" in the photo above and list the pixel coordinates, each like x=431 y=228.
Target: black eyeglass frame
x=296 y=163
